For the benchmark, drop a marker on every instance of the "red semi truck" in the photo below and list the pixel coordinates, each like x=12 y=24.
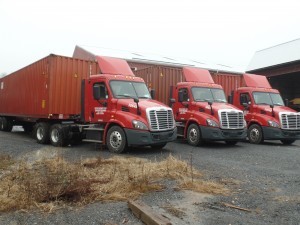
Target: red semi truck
x=202 y=112
x=266 y=115
x=59 y=100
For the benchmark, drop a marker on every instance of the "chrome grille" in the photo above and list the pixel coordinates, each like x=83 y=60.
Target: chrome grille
x=231 y=119
x=161 y=119
x=290 y=121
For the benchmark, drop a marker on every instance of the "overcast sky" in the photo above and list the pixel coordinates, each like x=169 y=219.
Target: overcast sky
x=215 y=31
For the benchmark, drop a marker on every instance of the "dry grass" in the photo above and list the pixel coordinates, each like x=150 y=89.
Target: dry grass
x=202 y=186
x=5 y=162
x=174 y=211
x=52 y=183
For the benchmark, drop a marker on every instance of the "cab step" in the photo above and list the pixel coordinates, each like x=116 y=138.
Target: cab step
x=91 y=140
x=94 y=128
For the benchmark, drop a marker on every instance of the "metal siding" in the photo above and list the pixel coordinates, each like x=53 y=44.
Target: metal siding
x=54 y=82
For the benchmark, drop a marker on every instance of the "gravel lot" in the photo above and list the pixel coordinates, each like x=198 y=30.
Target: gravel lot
x=264 y=180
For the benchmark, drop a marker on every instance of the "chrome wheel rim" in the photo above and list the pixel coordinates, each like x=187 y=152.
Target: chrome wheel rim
x=40 y=133
x=193 y=135
x=115 y=139
x=254 y=134
x=54 y=135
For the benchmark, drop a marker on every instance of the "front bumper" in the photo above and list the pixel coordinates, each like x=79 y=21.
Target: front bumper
x=271 y=133
x=217 y=134
x=144 y=138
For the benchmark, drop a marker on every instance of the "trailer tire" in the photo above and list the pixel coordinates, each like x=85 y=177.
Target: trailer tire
x=288 y=141
x=57 y=136
x=5 y=124
x=116 y=140
x=255 y=134
x=159 y=146
x=42 y=133
x=194 y=135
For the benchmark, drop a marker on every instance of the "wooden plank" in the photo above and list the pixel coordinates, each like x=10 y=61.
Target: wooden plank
x=236 y=207
x=146 y=214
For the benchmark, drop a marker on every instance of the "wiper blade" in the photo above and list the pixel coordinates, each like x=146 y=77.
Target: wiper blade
x=127 y=96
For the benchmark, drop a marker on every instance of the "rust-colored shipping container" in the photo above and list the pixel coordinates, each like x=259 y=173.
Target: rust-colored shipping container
x=161 y=78
x=48 y=88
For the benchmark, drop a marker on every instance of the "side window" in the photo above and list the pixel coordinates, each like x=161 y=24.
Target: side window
x=100 y=91
x=185 y=95
x=244 y=98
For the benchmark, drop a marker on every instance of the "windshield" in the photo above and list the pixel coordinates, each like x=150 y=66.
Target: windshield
x=202 y=94
x=266 y=98
x=127 y=89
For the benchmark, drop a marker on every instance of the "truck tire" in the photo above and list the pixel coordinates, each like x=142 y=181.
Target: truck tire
x=5 y=124
x=42 y=133
x=159 y=146
x=288 y=141
x=255 y=134
x=231 y=143
x=116 y=140
x=194 y=135
x=57 y=136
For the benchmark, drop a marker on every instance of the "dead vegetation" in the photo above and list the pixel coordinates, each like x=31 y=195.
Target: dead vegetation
x=49 y=184
x=5 y=162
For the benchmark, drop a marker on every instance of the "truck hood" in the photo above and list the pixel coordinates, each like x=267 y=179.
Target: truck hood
x=266 y=109
x=130 y=106
x=216 y=106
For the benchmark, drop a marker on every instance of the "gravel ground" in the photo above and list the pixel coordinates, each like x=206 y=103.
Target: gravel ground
x=264 y=181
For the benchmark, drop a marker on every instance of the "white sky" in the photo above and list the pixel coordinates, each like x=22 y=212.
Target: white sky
x=217 y=31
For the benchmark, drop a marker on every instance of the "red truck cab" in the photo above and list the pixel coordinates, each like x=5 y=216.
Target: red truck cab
x=201 y=110
x=266 y=115
x=122 y=104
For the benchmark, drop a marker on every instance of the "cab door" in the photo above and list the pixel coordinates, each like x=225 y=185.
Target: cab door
x=99 y=106
x=182 y=104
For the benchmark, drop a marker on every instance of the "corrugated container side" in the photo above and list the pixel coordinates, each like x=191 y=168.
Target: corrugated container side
x=24 y=92
x=229 y=82
x=65 y=83
x=160 y=79
x=48 y=86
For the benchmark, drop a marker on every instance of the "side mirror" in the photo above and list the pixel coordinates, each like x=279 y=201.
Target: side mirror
x=152 y=93
x=246 y=105
x=96 y=92
x=286 y=102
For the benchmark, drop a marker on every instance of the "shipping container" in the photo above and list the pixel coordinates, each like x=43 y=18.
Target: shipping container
x=161 y=78
x=50 y=87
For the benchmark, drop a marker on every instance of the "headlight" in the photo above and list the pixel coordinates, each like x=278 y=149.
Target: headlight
x=273 y=124
x=245 y=123
x=139 y=125
x=211 y=123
